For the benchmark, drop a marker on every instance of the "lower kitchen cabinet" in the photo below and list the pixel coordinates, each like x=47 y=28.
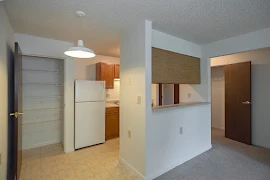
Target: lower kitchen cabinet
x=112 y=123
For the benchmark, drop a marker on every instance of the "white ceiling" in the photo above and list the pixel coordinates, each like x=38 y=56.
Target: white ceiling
x=198 y=21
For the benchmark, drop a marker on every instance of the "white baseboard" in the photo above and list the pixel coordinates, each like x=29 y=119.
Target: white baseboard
x=219 y=127
x=131 y=168
x=170 y=167
x=69 y=150
x=41 y=144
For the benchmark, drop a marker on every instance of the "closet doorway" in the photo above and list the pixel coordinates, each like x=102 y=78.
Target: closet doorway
x=231 y=100
x=43 y=94
x=260 y=100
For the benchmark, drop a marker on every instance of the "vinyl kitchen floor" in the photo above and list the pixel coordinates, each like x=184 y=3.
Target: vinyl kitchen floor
x=99 y=162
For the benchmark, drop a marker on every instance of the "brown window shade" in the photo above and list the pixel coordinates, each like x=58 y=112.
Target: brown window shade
x=174 y=68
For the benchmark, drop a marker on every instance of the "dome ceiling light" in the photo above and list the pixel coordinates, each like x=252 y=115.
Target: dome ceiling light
x=80 y=51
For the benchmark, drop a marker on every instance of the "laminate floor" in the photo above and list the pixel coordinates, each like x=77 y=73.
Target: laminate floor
x=99 y=162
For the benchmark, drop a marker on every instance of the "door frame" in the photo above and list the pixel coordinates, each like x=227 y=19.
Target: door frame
x=228 y=51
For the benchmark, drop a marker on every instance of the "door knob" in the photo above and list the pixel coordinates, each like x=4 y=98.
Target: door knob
x=246 y=102
x=16 y=114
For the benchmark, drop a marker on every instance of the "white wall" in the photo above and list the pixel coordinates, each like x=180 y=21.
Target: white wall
x=6 y=40
x=85 y=69
x=43 y=47
x=165 y=147
x=260 y=88
x=69 y=125
x=134 y=59
x=218 y=98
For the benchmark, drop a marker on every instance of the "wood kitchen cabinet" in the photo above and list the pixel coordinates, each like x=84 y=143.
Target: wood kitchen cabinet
x=105 y=72
x=117 y=71
x=112 y=123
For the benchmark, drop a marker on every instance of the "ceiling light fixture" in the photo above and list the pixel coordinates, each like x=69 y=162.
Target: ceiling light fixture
x=80 y=51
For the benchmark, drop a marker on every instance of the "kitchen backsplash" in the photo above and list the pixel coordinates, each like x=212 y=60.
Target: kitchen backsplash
x=113 y=94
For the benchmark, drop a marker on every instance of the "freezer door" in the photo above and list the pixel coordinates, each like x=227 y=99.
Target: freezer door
x=86 y=91
x=89 y=124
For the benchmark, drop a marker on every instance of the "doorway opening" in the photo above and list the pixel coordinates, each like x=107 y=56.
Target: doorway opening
x=234 y=115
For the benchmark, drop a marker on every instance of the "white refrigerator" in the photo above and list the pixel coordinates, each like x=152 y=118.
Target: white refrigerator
x=89 y=113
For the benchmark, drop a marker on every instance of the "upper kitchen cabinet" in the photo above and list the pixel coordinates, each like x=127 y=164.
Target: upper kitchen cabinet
x=174 y=68
x=105 y=72
x=116 y=71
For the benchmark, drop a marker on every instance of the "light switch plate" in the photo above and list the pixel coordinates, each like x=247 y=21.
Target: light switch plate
x=129 y=134
x=181 y=130
x=139 y=99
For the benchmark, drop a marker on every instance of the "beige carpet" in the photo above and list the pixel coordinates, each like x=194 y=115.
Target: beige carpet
x=227 y=160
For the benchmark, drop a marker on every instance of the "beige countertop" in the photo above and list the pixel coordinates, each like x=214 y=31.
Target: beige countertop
x=181 y=104
x=110 y=105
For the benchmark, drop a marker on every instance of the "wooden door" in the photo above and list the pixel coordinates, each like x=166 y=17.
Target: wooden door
x=160 y=94
x=15 y=112
x=238 y=102
x=176 y=94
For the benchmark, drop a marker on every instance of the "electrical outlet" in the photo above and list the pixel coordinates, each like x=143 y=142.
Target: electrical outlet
x=189 y=95
x=181 y=130
x=107 y=95
x=139 y=99
x=129 y=134
x=129 y=81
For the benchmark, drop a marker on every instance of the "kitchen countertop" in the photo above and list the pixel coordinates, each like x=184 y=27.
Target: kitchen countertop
x=110 y=105
x=181 y=104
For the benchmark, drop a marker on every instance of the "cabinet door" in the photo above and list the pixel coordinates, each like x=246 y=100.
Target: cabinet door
x=116 y=71
x=112 y=124
x=105 y=72
x=109 y=76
